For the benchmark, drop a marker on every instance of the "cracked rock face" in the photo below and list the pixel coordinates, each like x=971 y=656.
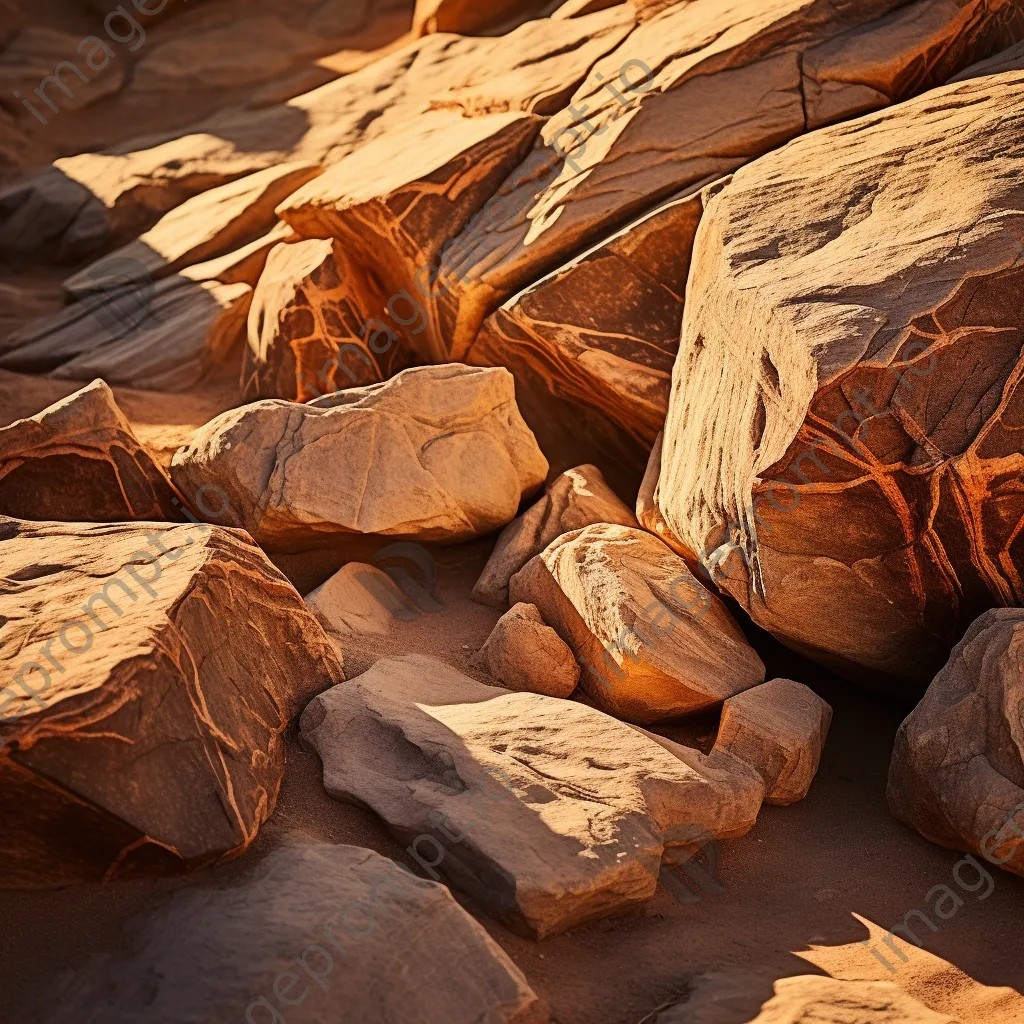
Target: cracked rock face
x=547 y=812
x=437 y=453
x=653 y=643
x=372 y=941
x=80 y=461
x=140 y=733
x=842 y=450
x=957 y=771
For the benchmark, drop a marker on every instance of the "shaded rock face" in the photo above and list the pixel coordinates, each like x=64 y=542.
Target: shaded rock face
x=577 y=498
x=548 y=812
x=79 y=460
x=841 y=450
x=652 y=642
x=344 y=931
x=957 y=771
x=779 y=729
x=522 y=653
x=469 y=16
x=139 y=733
x=437 y=453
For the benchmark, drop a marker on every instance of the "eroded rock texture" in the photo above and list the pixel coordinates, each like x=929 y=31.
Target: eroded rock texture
x=546 y=811
x=140 y=734
x=437 y=453
x=79 y=460
x=652 y=642
x=957 y=771
x=842 y=446
x=469 y=16
x=379 y=939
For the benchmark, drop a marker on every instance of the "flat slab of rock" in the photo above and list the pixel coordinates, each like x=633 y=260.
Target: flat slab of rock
x=152 y=671
x=841 y=449
x=343 y=931
x=957 y=770
x=577 y=498
x=80 y=461
x=652 y=642
x=437 y=453
x=522 y=653
x=360 y=600
x=547 y=812
x=779 y=729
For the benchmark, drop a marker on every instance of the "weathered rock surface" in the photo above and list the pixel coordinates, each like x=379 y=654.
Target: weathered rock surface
x=437 y=453
x=345 y=931
x=468 y=16
x=577 y=498
x=576 y=826
x=522 y=653
x=957 y=771
x=841 y=449
x=1010 y=59
x=360 y=600
x=140 y=734
x=779 y=729
x=652 y=642
x=80 y=461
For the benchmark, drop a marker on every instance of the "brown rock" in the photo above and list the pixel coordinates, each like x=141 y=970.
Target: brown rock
x=840 y=451
x=957 y=771
x=438 y=453
x=360 y=600
x=524 y=654
x=1010 y=59
x=652 y=642
x=468 y=16
x=79 y=460
x=142 y=729
x=577 y=498
x=779 y=729
x=575 y=828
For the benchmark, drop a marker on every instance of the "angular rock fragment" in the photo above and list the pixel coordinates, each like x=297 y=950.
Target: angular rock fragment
x=80 y=461
x=840 y=451
x=779 y=729
x=141 y=732
x=522 y=653
x=360 y=600
x=652 y=642
x=577 y=498
x=438 y=453
x=957 y=771
x=342 y=930
x=547 y=812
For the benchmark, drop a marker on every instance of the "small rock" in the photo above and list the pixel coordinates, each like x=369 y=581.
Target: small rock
x=360 y=600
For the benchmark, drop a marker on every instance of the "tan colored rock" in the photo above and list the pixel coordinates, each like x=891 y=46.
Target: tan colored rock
x=142 y=722
x=840 y=451
x=438 y=453
x=652 y=642
x=577 y=498
x=80 y=461
x=547 y=812
x=468 y=16
x=243 y=265
x=524 y=654
x=779 y=729
x=957 y=771
x=330 y=923
x=360 y=600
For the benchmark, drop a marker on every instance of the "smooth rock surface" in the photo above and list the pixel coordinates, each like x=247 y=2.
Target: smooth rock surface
x=360 y=600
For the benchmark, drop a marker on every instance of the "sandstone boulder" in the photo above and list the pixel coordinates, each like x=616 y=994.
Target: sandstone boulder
x=522 y=653
x=142 y=729
x=577 y=498
x=346 y=932
x=841 y=451
x=438 y=453
x=957 y=771
x=79 y=460
x=653 y=643
x=547 y=812
x=779 y=729
x=360 y=600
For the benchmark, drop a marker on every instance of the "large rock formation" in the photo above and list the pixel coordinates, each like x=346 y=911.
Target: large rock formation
x=652 y=642
x=142 y=731
x=957 y=772
x=79 y=460
x=438 y=453
x=548 y=812
x=345 y=932
x=841 y=451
